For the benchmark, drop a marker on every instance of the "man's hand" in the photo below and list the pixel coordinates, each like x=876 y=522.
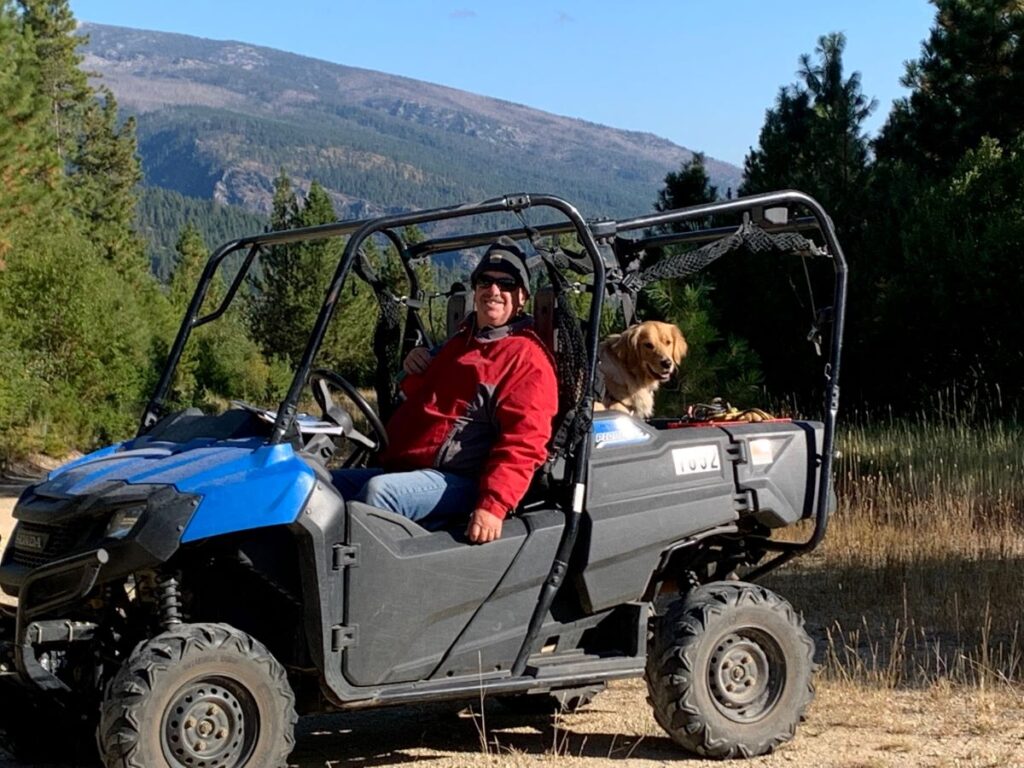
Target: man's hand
x=417 y=360
x=483 y=527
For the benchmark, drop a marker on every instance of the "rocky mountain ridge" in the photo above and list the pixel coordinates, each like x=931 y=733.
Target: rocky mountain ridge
x=219 y=119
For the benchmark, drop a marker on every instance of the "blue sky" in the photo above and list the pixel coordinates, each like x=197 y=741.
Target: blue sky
x=698 y=72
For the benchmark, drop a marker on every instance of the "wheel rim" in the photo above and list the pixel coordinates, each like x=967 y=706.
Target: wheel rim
x=746 y=673
x=211 y=723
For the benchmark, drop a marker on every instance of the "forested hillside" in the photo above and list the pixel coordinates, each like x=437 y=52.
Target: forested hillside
x=163 y=214
x=219 y=119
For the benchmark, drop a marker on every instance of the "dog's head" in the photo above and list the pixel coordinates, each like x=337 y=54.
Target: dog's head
x=651 y=350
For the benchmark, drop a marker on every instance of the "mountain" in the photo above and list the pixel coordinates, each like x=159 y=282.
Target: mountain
x=219 y=119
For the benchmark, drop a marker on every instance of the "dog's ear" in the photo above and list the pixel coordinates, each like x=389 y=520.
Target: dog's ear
x=679 y=346
x=626 y=347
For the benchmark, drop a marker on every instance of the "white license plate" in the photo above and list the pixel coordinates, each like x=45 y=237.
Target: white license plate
x=696 y=459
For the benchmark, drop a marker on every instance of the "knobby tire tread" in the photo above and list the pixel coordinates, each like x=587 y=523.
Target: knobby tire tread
x=119 y=732
x=674 y=686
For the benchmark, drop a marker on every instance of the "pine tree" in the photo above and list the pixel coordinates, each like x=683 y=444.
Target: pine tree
x=285 y=211
x=62 y=82
x=945 y=204
x=968 y=83
x=104 y=179
x=273 y=297
x=220 y=362
x=814 y=140
x=29 y=170
x=192 y=257
x=288 y=294
x=690 y=185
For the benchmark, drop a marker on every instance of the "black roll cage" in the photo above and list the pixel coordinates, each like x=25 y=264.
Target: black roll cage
x=608 y=246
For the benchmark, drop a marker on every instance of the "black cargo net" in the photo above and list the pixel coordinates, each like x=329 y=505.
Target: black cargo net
x=749 y=237
x=573 y=419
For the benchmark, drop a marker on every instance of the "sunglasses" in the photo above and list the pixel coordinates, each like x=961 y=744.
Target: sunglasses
x=503 y=283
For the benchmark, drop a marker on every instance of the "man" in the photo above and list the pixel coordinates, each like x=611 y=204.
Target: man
x=476 y=419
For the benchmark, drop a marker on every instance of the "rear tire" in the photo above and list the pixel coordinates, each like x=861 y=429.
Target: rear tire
x=198 y=695
x=730 y=670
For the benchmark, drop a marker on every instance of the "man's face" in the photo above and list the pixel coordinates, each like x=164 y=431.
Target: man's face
x=497 y=298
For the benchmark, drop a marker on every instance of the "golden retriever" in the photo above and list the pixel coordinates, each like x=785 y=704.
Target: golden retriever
x=636 y=362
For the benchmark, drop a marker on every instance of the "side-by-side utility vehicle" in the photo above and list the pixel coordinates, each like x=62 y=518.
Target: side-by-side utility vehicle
x=186 y=594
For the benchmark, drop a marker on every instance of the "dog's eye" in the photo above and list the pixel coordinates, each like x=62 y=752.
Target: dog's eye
x=649 y=344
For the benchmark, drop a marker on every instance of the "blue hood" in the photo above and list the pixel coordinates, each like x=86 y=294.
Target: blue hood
x=242 y=483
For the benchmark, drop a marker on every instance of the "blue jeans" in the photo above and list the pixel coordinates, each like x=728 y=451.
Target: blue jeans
x=431 y=498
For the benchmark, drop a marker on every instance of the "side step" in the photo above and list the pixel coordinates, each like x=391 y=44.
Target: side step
x=552 y=666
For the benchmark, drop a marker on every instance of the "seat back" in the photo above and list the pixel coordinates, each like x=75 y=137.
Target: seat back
x=544 y=318
x=460 y=305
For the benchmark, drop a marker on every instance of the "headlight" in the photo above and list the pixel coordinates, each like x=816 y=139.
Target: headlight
x=123 y=521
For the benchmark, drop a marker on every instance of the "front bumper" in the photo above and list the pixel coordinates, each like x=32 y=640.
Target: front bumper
x=25 y=639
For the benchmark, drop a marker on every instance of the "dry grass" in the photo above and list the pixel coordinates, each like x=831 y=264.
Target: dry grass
x=920 y=576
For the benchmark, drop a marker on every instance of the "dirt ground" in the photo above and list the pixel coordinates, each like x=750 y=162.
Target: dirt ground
x=847 y=727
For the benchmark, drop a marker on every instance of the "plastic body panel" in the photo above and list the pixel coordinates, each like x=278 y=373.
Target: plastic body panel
x=777 y=463
x=242 y=483
x=413 y=595
x=496 y=632
x=650 y=488
x=642 y=497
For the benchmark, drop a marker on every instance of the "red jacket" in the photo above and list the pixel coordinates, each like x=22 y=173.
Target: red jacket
x=483 y=407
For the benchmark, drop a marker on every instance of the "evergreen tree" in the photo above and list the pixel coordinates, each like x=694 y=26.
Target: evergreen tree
x=162 y=214
x=85 y=339
x=29 y=171
x=275 y=296
x=813 y=140
x=945 y=181
x=968 y=83
x=82 y=336
x=690 y=185
x=28 y=175
x=288 y=295
x=220 y=362
x=104 y=181
x=285 y=211
x=952 y=310
x=61 y=81
x=192 y=257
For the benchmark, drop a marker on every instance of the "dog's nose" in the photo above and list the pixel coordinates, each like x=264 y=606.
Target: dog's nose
x=666 y=364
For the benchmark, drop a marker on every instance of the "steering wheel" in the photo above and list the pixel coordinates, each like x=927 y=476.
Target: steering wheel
x=320 y=381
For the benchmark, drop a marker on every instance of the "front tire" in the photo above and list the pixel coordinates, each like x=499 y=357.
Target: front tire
x=730 y=670
x=198 y=695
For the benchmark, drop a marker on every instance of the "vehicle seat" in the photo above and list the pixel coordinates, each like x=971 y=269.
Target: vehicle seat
x=558 y=330
x=544 y=317
x=460 y=306
x=395 y=527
